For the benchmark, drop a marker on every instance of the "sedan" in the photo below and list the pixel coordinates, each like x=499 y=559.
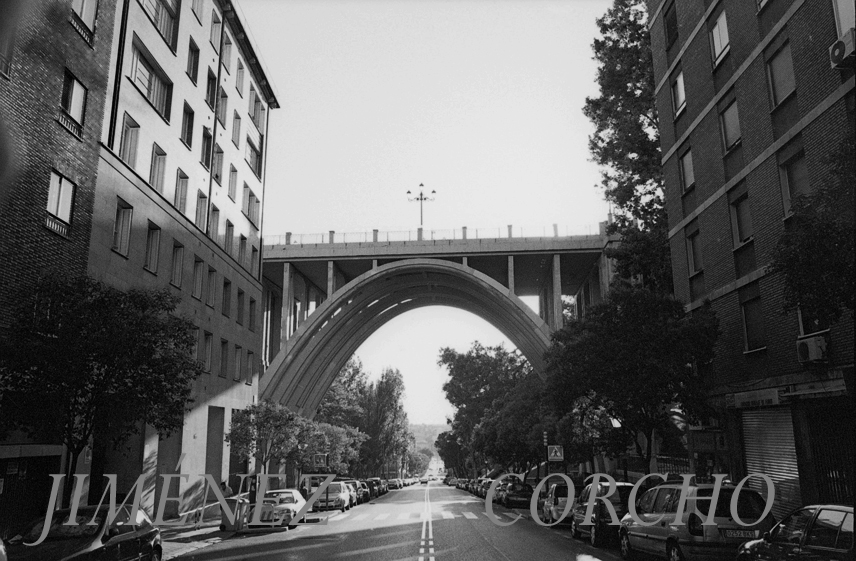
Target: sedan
x=517 y=495
x=279 y=508
x=336 y=497
x=809 y=533
x=122 y=539
x=600 y=528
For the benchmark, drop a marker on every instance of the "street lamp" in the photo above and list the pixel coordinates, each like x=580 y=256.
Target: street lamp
x=421 y=198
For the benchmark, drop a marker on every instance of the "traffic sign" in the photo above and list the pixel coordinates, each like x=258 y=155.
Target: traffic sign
x=320 y=460
x=555 y=453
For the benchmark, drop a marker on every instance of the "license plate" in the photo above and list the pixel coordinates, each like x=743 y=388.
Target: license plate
x=739 y=534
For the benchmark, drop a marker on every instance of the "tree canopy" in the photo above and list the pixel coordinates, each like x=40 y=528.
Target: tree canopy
x=83 y=359
x=265 y=431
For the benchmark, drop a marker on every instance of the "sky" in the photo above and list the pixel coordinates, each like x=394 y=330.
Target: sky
x=479 y=100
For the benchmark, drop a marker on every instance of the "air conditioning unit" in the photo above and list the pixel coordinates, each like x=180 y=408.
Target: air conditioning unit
x=812 y=349
x=841 y=52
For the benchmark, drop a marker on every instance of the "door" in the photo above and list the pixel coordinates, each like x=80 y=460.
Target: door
x=786 y=537
x=830 y=537
x=658 y=533
x=638 y=533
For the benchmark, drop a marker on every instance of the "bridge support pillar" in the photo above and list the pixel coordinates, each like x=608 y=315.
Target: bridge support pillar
x=556 y=319
x=510 y=274
x=287 y=298
x=331 y=279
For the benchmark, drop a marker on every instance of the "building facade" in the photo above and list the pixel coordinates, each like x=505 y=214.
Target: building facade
x=751 y=108
x=174 y=197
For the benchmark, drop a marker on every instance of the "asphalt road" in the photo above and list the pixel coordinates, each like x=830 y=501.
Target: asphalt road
x=417 y=523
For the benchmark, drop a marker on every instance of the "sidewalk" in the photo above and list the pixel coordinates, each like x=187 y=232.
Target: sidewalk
x=178 y=540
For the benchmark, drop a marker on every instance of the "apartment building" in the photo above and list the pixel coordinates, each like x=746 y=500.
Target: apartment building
x=178 y=203
x=753 y=98
x=140 y=129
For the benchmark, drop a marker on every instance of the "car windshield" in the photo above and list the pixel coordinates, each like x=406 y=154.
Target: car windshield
x=284 y=498
x=750 y=505
x=59 y=531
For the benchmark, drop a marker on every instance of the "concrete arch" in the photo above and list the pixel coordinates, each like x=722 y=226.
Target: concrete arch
x=304 y=369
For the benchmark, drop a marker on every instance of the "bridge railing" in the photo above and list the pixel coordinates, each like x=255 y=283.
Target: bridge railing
x=425 y=234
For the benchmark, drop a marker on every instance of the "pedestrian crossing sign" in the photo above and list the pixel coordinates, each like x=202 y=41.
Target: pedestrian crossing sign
x=555 y=453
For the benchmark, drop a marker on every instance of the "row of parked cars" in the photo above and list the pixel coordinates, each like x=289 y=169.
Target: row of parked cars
x=816 y=533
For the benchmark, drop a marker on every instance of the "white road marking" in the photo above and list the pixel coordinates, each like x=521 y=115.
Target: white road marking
x=382 y=516
x=361 y=517
x=448 y=515
x=340 y=516
x=470 y=515
x=403 y=515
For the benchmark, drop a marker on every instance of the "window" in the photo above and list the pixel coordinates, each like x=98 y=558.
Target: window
x=670 y=21
x=211 y=89
x=152 y=248
x=85 y=12
x=251 y=321
x=242 y=250
x=845 y=16
x=753 y=319
x=152 y=83
x=795 y=176
x=227 y=297
x=254 y=260
x=251 y=360
x=157 y=169
x=196 y=347
x=780 y=70
x=254 y=158
x=255 y=109
x=239 y=78
x=239 y=363
x=809 y=323
x=227 y=53
x=215 y=223
x=60 y=199
x=162 y=14
x=128 y=145
x=227 y=241
x=207 y=348
x=240 y=312
x=73 y=104
x=197 y=8
x=233 y=181
x=251 y=205
x=679 y=100
x=187 y=126
x=825 y=529
x=730 y=126
x=224 y=357
x=207 y=141
x=180 y=200
x=216 y=28
x=694 y=260
x=236 y=129
x=201 y=210
x=198 y=277
x=211 y=287
x=741 y=220
x=122 y=227
x=193 y=61
x=719 y=39
x=686 y=169
x=217 y=166
x=177 y=264
x=221 y=107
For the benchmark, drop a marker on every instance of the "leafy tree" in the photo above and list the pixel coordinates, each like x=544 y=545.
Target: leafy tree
x=384 y=421
x=84 y=360
x=341 y=405
x=417 y=462
x=265 y=431
x=632 y=357
x=816 y=253
x=427 y=452
x=451 y=453
x=340 y=444
x=626 y=144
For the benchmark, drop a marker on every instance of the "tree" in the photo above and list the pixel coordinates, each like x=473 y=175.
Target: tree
x=417 y=462
x=341 y=445
x=341 y=405
x=384 y=421
x=265 y=431
x=626 y=144
x=427 y=452
x=451 y=453
x=83 y=360
x=633 y=357
x=816 y=253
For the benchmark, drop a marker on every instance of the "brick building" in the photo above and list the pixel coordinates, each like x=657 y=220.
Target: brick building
x=168 y=192
x=750 y=107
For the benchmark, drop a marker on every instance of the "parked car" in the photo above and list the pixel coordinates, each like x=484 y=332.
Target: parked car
x=812 y=532
x=278 y=509
x=364 y=492
x=374 y=488
x=517 y=494
x=138 y=538
x=356 y=490
x=335 y=497
x=378 y=485
x=692 y=539
x=599 y=530
x=555 y=503
x=423 y=480
x=499 y=491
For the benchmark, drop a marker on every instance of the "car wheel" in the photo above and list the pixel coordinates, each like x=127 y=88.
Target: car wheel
x=575 y=530
x=674 y=552
x=156 y=556
x=595 y=535
x=627 y=552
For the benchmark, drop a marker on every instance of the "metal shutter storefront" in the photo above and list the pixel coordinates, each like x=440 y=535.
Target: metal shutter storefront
x=768 y=443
